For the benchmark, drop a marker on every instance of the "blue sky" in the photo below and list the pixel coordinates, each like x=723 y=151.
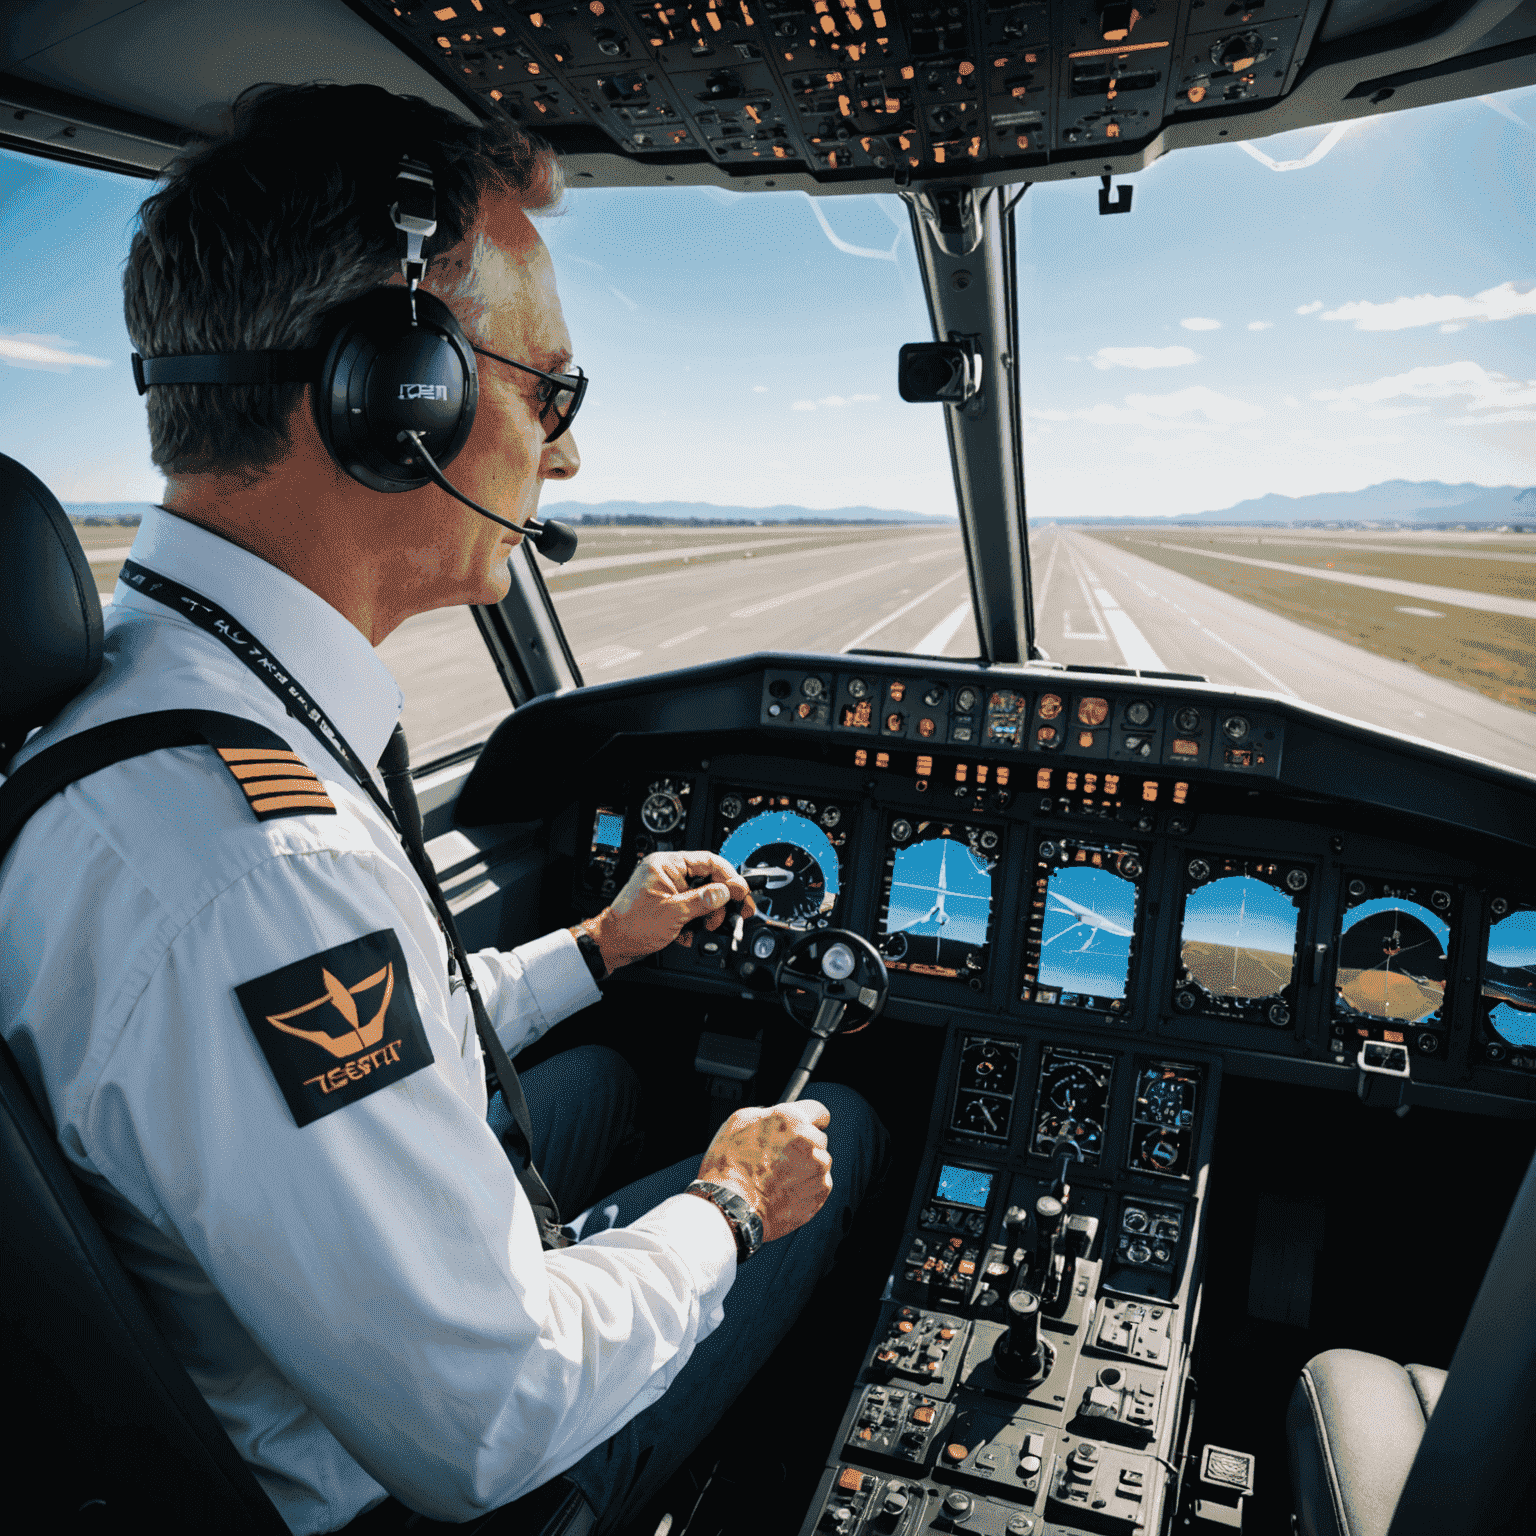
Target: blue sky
x=1246 y=329
x=1075 y=956
x=1242 y=911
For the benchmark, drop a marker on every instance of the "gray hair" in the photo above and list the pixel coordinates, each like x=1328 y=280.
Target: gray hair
x=257 y=234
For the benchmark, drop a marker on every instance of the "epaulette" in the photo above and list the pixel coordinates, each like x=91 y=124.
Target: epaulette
x=274 y=779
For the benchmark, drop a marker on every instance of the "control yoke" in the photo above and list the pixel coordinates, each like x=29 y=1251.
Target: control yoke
x=762 y=877
x=829 y=979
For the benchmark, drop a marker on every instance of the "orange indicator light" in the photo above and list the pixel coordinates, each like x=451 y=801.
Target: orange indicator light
x=1180 y=793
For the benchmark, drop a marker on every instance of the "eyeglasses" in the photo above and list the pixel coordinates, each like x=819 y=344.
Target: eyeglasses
x=561 y=393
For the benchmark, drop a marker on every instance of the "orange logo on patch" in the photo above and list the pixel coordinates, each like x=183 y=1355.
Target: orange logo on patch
x=360 y=1037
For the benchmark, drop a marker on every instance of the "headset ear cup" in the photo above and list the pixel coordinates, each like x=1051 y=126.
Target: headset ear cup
x=382 y=375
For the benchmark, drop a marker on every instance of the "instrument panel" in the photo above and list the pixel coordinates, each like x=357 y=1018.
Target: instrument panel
x=1153 y=869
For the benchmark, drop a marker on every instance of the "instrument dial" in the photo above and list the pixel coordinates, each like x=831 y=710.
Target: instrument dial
x=662 y=810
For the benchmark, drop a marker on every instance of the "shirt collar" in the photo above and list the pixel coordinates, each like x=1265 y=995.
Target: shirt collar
x=326 y=652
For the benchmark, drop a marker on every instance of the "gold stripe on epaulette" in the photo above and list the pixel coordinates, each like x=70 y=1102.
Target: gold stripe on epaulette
x=272 y=770
x=247 y=754
x=294 y=803
x=255 y=789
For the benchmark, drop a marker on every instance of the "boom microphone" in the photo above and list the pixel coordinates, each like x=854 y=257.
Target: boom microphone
x=556 y=541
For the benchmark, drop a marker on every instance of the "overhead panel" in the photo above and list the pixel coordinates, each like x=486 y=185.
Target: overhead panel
x=858 y=89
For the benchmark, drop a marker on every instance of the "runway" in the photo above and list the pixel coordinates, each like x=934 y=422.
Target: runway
x=1098 y=604
x=640 y=600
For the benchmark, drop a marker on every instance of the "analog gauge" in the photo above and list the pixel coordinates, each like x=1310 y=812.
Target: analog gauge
x=894 y=947
x=731 y=807
x=1187 y=719
x=1162 y=1255
x=1138 y=1252
x=1092 y=711
x=830 y=817
x=934 y=697
x=988 y=840
x=662 y=811
x=965 y=700
x=857 y=688
x=1160 y=1152
x=1235 y=727
x=1073 y=1086
x=784 y=840
x=989 y=1064
x=812 y=687
x=1134 y=1219
x=1139 y=712
x=1295 y=879
x=1199 y=869
x=900 y=830
x=981 y=1115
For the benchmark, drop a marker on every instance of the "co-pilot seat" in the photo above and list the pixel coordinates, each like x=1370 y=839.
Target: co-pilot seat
x=1354 y=1425
x=109 y=1433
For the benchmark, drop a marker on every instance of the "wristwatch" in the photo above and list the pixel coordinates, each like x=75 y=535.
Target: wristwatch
x=745 y=1222
x=587 y=947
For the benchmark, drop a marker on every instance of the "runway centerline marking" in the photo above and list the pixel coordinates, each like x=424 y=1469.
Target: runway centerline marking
x=688 y=634
x=1134 y=646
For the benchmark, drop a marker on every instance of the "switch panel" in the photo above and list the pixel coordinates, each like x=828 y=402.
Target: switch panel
x=898 y=1424
x=1116 y=1402
x=1149 y=1234
x=921 y=1346
x=1103 y=1487
x=1132 y=1330
x=945 y=1267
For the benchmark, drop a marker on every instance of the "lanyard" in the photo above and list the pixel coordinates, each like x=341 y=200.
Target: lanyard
x=262 y=663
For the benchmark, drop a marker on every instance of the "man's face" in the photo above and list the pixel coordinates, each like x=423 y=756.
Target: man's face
x=501 y=287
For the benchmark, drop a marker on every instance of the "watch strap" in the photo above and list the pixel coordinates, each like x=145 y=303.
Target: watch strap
x=593 y=955
x=746 y=1224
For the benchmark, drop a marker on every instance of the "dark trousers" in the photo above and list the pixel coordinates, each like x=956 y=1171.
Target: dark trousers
x=583 y=1106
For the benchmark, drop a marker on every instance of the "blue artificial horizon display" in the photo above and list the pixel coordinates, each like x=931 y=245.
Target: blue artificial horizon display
x=940 y=889
x=1509 y=978
x=1239 y=937
x=610 y=830
x=964 y=1186
x=1085 y=940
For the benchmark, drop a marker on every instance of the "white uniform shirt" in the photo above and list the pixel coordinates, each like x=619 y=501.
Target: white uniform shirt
x=363 y=1300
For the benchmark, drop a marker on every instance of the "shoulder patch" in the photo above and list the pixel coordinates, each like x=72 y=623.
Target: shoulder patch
x=277 y=782
x=338 y=1026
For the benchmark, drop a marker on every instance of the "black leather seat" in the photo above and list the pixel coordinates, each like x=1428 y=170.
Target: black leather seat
x=108 y=1431
x=1354 y=1425
x=1379 y=1449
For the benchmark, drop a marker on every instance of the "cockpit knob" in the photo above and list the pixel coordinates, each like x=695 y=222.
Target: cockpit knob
x=1018 y=1355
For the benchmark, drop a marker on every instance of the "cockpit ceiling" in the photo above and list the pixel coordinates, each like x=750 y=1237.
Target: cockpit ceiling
x=822 y=95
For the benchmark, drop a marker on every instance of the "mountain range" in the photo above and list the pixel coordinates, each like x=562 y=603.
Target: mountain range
x=1421 y=502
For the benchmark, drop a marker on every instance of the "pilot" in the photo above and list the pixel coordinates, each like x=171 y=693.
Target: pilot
x=226 y=978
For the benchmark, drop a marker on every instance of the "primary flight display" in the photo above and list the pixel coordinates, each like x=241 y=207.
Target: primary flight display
x=936 y=911
x=787 y=833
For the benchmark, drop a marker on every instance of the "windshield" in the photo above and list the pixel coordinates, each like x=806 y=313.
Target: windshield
x=1278 y=420
x=750 y=480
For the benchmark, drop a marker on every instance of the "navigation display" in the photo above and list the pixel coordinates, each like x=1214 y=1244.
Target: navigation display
x=1237 y=946
x=1082 y=924
x=963 y=1186
x=1509 y=974
x=936 y=900
x=758 y=830
x=1393 y=953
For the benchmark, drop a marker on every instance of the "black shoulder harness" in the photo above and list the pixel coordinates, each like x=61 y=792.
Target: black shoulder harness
x=274 y=779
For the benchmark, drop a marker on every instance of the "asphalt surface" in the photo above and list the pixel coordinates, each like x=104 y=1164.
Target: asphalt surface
x=629 y=610
x=1097 y=604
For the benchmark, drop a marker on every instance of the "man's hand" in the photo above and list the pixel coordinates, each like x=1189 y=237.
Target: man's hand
x=666 y=891
x=778 y=1159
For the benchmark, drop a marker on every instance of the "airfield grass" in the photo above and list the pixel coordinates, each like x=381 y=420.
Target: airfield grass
x=1491 y=652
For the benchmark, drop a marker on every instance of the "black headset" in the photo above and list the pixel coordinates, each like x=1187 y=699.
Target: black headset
x=395 y=382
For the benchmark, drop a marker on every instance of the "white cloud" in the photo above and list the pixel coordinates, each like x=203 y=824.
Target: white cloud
x=1479 y=389
x=1261 y=325
x=1452 y=326
x=1292 y=401
x=1309 y=309
x=1197 y=324
x=1502 y=303
x=832 y=402
x=596 y=266
x=623 y=298
x=1162 y=410
x=1196 y=400
x=1143 y=357
x=46 y=352
x=759 y=389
